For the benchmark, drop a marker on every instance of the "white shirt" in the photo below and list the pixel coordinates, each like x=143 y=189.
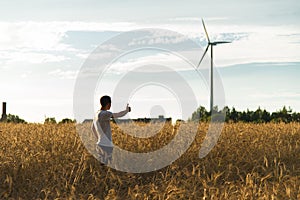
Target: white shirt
x=101 y=126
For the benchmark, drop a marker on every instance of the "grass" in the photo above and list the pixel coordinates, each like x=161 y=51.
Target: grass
x=250 y=161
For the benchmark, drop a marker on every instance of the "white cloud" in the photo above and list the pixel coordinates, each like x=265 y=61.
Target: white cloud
x=48 y=35
x=109 y=47
x=287 y=95
x=39 y=42
x=26 y=74
x=158 y=59
x=67 y=74
x=158 y=37
x=196 y=19
x=29 y=35
x=29 y=57
x=82 y=55
x=260 y=45
x=99 y=56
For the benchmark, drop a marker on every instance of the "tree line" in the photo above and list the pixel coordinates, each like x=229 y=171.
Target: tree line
x=49 y=120
x=285 y=115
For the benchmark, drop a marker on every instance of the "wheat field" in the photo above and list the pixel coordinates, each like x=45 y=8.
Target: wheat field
x=250 y=161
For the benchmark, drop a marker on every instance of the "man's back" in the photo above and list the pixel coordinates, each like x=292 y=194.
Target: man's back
x=102 y=122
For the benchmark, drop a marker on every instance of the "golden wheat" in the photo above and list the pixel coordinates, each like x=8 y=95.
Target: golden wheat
x=250 y=161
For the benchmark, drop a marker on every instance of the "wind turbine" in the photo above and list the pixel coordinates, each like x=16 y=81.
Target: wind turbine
x=211 y=44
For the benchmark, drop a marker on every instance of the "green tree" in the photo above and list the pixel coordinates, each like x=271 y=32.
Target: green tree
x=50 y=120
x=14 y=119
x=296 y=117
x=200 y=114
x=257 y=115
x=66 y=120
x=283 y=115
x=234 y=115
x=226 y=110
x=266 y=117
x=244 y=116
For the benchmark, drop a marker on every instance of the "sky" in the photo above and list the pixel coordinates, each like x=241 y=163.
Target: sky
x=45 y=44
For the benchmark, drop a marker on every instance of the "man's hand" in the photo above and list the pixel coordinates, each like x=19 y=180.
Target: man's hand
x=128 y=108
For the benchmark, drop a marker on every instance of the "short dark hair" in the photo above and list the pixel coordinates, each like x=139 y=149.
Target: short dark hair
x=105 y=100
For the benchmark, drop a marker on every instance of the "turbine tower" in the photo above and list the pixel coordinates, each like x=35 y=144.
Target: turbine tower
x=211 y=44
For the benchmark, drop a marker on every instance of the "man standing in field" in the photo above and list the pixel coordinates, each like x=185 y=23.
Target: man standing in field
x=102 y=131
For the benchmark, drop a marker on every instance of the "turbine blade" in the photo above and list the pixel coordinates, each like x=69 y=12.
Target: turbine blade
x=203 y=56
x=221 y=42
x=205 y=31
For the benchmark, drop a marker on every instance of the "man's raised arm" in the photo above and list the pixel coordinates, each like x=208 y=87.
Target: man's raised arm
x=122 y=113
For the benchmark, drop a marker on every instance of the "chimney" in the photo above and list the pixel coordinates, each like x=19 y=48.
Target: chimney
x=3 y=111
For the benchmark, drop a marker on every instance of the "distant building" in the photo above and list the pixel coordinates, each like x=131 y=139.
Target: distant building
x=87 y=121
x=160 y=118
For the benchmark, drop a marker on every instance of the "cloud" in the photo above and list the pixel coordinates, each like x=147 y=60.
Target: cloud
x=287 y=95
x=157 y=59
x=48 y=35
x=29 y=35
x=67 y=74
x=260 y=45
x=26 y=74
x=109 y=47
x=158 y=37
x=101 y=52
x=196 y=19
x=10 y=57
x=40 y=42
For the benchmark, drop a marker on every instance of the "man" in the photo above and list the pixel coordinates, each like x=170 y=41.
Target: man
x=102 y=130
